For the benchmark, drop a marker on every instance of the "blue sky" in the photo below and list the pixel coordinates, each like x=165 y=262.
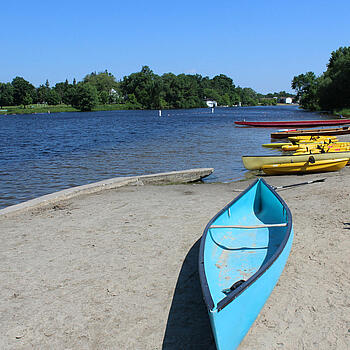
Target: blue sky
x=259 y=44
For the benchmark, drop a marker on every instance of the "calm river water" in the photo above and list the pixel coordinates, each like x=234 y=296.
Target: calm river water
x=41 y=154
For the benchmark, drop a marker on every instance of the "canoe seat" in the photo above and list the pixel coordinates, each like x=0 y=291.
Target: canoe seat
x=233 y=287
x=249 y=226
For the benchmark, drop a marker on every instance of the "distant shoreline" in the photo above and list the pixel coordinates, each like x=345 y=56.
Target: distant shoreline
x=47 y=109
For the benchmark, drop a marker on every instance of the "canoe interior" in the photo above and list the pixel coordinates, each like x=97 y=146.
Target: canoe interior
x=234 y=254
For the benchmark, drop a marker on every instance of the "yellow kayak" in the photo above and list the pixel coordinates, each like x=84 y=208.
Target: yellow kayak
x=324 y=149
x=276 y=144
x=290 y=148
x=319 y=151
x=310 y=166
x=311 y=146
x=257 y=162
x=325 y=141
x=310 y=138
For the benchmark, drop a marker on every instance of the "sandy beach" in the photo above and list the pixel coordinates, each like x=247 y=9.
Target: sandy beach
x=117 y=269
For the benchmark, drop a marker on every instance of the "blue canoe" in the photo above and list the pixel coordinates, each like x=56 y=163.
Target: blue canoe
x=243 y=251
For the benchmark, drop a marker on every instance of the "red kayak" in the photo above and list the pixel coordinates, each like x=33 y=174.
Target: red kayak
x=296 y=123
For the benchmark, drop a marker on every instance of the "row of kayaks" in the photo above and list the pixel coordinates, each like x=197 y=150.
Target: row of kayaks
x=300 y=141
x=311 y=154
x=305 y=143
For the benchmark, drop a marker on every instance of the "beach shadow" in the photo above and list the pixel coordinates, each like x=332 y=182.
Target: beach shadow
x=188 y=325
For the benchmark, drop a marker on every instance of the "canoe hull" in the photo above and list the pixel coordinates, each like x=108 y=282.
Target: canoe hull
x=254 y=256
x=257 y=162
x=311 y=132
x=305 y=167
x=295 y=123
x=243 y=306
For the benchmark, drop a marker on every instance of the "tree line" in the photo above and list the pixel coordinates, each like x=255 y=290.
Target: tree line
x=331 y=90
x=141 y=90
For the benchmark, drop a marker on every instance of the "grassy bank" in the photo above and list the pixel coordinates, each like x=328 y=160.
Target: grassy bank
x=35 y=109
x=345 y=112
x=39 y=109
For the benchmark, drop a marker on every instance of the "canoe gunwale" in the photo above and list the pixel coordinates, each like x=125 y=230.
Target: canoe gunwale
x=239 y=290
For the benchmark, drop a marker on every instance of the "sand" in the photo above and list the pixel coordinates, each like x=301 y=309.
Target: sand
x=118 y=270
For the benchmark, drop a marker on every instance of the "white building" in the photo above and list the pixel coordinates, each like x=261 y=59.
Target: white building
x=211 y=103
x=287 y=100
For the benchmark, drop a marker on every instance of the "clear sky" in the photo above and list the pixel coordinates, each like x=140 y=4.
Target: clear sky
x=259 y=44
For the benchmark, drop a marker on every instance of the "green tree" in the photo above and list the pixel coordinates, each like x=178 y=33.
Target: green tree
x=248 y=97
x=342 y=52
x=103 y=81
x=334 y=84
x=61 y=89
x=27 y=100
x=22 y=91
x=52 y=97
x=163 y=104
x=69 y=94
x=225 y=100
x=169 y=94
x=41 y=93
x=190 y=91
x=103 y=97
x=211 y=94
x=6 y=94
x=145 y=86
x=131 y=102
x=235 y=98
x=85 y=97
x=268 y=101
x=226 y=90
x=306 y=86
